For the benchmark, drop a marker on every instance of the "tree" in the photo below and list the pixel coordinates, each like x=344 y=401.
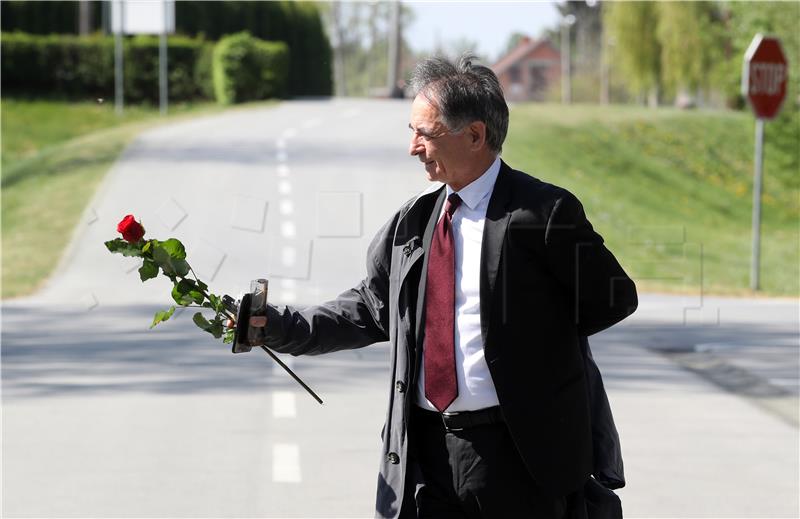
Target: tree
x=632 y=27
x=691 y=38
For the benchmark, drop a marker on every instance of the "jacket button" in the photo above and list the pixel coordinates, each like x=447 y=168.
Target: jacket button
x=400 y=386
x=393 y=458
x=407 y=250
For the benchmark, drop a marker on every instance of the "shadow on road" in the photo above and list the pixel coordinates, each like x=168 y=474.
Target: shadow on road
x=50 y=353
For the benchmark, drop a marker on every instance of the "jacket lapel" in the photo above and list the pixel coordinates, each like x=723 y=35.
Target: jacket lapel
x=494 y=233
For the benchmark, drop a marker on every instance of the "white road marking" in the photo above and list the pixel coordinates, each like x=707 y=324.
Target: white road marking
x=288 y=256
x=352 y=112
x=288 y=283
x=287 y=229
x=288 y=133
x=283 y=170
x=280 y=144
x=286 y=463
x=284 y=187
x=311 y=123
x=283 y=404
x=286 y=207
x=281 y=156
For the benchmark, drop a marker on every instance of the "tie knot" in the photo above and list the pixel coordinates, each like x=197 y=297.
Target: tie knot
x=453 y=201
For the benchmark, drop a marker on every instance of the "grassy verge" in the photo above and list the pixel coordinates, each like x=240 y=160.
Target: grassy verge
x=670 y=191
x=54 y=156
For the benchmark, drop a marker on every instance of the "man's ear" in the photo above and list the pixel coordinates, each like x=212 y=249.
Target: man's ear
x=477 y=134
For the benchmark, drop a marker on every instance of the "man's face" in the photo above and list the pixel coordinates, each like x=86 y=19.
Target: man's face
x=442 y=152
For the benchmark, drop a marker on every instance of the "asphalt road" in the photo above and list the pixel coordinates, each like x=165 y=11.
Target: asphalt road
x=105 y=418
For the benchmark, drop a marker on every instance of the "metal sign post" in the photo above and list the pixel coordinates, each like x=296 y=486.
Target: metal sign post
x=764 y=84
x=118 y=10
x=143 y=17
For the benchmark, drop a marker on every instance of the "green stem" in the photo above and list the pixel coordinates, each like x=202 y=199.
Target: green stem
x=205 y=294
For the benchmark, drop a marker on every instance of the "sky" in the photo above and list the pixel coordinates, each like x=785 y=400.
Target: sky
x=488 y=23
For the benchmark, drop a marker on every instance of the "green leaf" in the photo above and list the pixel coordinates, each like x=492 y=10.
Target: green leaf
x=120 y=246
x=174 y=248
x=162 y=316
x=148 y=245
x=170 y=265
x=201 y=321
x=216 y=329
x=202 y=285
x=148 y=270
x=216 y=302
x=185 y=292
x=227 y=338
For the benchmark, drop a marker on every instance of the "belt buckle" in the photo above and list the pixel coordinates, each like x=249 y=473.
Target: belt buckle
x=447 y=428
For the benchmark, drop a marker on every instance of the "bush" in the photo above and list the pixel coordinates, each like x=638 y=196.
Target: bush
x=141 y=68
x=83 y=66
x=298 y=24
x=246 y=68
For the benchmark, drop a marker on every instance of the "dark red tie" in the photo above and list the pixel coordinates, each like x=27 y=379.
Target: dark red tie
x=440 y=297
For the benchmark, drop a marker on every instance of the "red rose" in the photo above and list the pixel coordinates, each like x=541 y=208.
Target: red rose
x=132 y=231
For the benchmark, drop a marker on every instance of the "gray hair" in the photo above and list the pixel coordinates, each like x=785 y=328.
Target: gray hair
x=463 y=93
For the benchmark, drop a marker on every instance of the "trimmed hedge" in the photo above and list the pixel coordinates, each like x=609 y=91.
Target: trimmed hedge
x=246 y=68
x=80 y=67
x=238 y=68
x=298 y=24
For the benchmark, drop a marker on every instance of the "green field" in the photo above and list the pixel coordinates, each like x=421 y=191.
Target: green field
x=54 y=154
x=670 y=191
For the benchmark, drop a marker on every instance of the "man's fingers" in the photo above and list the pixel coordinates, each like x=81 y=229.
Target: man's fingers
x=258 y=321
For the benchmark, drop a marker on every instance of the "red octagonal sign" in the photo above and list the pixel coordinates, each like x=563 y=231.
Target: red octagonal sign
x=764 y=76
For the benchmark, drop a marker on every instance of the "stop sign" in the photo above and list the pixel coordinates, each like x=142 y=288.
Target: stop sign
x=764 y=76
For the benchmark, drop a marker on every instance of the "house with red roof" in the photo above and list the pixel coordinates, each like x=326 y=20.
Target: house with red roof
x=529 y=71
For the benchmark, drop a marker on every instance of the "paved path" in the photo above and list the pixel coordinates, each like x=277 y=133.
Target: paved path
x=104 y=418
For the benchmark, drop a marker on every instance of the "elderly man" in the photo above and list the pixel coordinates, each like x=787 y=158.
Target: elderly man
x=486 y=287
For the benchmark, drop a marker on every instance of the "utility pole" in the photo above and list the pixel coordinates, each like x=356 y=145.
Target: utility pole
x=84 y=17
x=395 y=44
x=566 y=69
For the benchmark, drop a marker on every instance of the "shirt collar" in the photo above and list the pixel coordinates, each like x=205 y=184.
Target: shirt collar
x=480 y=188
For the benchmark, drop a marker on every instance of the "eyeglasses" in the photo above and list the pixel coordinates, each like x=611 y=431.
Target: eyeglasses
x=428 y=137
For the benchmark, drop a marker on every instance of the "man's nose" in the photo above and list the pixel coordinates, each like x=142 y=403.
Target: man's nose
x=416 y=147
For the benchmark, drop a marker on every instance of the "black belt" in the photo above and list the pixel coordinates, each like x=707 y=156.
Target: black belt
x=463 y=419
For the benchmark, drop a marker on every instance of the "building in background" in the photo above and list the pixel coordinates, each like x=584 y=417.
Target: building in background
x=529 y=71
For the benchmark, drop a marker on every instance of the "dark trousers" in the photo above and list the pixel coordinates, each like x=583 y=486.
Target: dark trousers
x=474 y=473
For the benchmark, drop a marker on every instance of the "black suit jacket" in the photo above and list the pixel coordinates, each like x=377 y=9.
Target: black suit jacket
x=547 y=282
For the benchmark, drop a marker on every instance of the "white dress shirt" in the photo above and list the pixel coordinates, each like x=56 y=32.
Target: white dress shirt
x=475 y=386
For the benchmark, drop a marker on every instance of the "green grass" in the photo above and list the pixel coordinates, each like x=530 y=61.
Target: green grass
x=670 y=191
x=54 y=155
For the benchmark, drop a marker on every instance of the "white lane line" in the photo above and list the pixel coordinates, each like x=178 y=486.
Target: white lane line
x=281 y=156
x=280 y=144
x=287 y=229
x=286 y=463
x=352 y=112
x=311 y=123
x=283 y=170
x=288 y=256
x=283 y=404
x=288 y=133
x=286 y=207
x=284 y=187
